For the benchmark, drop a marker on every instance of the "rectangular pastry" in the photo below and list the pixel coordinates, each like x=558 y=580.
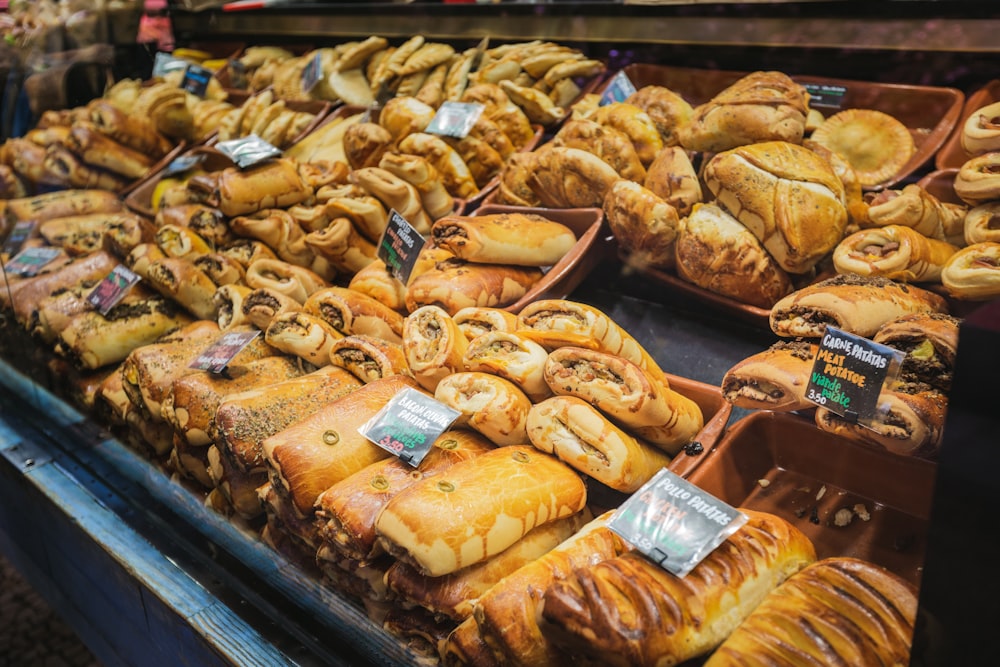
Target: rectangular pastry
x=525 y=239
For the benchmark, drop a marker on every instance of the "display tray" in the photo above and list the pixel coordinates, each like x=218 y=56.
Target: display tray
x=929 y=112
x=783 y=464
x=952 y=155
x=140 y=199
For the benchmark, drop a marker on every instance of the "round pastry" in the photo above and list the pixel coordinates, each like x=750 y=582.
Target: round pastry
x=982 y=223
x=981 y=130
x=876 y=144
x=973 y=272
x=978 y=180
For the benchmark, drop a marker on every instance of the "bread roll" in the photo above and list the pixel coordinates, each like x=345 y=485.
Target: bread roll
x=522 y=239
x=973 y=272
x=774 y=379
x=474 y=321
x=488 y=403
x=350 y=312
x=512 y=357
x=565 y=177
x=645 y=225
x=454 y=284
x=302 y=335
x=433 y=345
x=672 y=177
x=369 y=358
x=273 y=184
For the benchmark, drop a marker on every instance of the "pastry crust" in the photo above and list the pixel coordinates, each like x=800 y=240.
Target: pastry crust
x=433 y=344
x=875 y=143
x=512 y=357
x=353 y=312
x=23 y=295
x=930 y=342
x=668 y=110
x=302 y=335
x=606 y=142
x=340 y=243
x=774 y=379
x=981 y=131
x=918 y=209
x=895 y=252
x=645 y=225
x=369 y=358
x=365 y=144
x=565 y=177
x=178 y=279
x=672 y=177
x=488 y=403
x=978 y=180
x=973 y=272
x=421 y=174
x=474 y=321
x=524 y=239
x=295 y=282
x=454 y=171
x=263 y=304
x=982 y=223
x=454 y=284
x=99 y=150
x=396 y=194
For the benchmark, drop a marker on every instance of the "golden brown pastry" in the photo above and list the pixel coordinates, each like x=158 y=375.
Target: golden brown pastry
x=294 y=281
x=82 y=234
x=478 y=508
x=716 y=252
x=484 y=161
x=396 y=194
x=980 y=133
x=365 y=144
x=273 y=184
x=368 y=214
x=606 y=142
x=672 y=177
x=973 y=272
x=855 y=304
x=837 y=610
x=123 y=234
x=488 y=403
x=454 y=171
x=524 y=239
x=565 y=177
x=930 y=341
x=512 y=357
x=378 y=282
x=644 y=224
x=977 y=180
x=454 y=284
x=23 y=294
x=342 y=246
x=178 y=279
x=465 y=646
x=350 y=311
x=233 y=489
x=263 y=304
x=627 y=610
x=283 y=234
x=302 y=335
x=69 y=170
x=369 y=358
x=433 y=344
x=636 y=124
x=502 y=110
x=787 y=195
x=99 y=150
x=421 y=174
x=221 y=269
x=875 y=143
x=914 y=207
x=668 y=110
x=981 y=223
x=774 y=379
x=855 y=197
x=474 y=321
x=515 y=187
x=61 y=203
x=130 y=129
x=895 y=252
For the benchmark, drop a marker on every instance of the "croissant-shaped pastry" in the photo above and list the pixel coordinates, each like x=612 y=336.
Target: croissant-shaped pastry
x=981 y=131
x=913 y=207
x=433 y=344
x=973 y=272
x=537 y=106
x=369 y=358
x=774 y=379
x=895 y=252
x=636 y=124
x=396 y=193
x=278 y=230
x=454 y=171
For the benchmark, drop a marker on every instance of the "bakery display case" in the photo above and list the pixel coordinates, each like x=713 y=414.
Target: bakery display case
x=159 y=545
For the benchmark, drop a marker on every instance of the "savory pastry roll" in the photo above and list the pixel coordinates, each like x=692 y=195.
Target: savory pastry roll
x=316 y=452
x=206 y=221
x=837 y=610
x=915 y=207
x=123 y=233
x=433 y=344
x=514 y=187
x=61 y=203
x=296 y=282
x=524 y=239
x=221 y=269
x=189 y=463
x=665 y=108
x=92 y=340
x=855 y=304
x=495 y=407
x=346 y=511
x=273 y=184
x=628 y=610
x=759 y=107
x=178 y=279
x=645 y=225
x=368 y=358
x=876 y=144
x=421 y=174
x=977 y=180
x=237 y=487
x=854 y=194
x=79 y=234
x=895 y=252
x=247 y=251
x=64 y=167
x=672 y=177
x=640 y=401
x=973 y=272
x=351 y=311
x=454 y=284
x=99 y=150
x=23 y=295
x=420 y=631
x=633 y=121
x=774 y=379
x=453 y=595
x=244 y=419
x=365 y=143
x=342 y=245
x=142 y=256
x=302 y=335
x=367 y=213
x=579 y=434
x=717 y=252
x=261 y=305
x=981 y=224
x=912 y=421
x=177 y=241
x=787 y=195
x=136 y=131
x=396 y=194
x=292 y=534
x=930 y=341
x=980 y=132
x=474 y=321
x=478 y=508
x=513 y=357
x=282 y=233
x=564 y=177
x=55 y=312
x=605 y=142
x=378 y=282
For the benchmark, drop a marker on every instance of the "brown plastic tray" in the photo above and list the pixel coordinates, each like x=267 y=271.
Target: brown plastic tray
x=140 y=199
x=929 y=112
x=785 y=465
x=952 y=155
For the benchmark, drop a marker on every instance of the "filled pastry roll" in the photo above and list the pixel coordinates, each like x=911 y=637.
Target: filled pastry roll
x=563 y=177
x=981 y=223
x=178 y=279
x=915 y=207
x=273 y=184
x=340 y=244
x=478 y=508
x=605 y=142
x=377 y=281
x=639 y=401
x=61 y=203
x=434 y=345
x=980 y=132
x=54 y=313
x=852 y=303
x=774 y=379
x=495 y=407
x=895 y=252
x=421 y=174
x=133 y=130
x=454 y=284
x=189 y=463
x=142 y=256
x=672 y=177
x=930 y=341
x=238 y=488
x=277 y=229
x=206 y=221
x=80 y=234
x=247 y=251
x=302 y=335
x=228 y=300
x=23 y=295
x=474 y=321
x=296 y=282
x=177 y=241
x=513 y=357
x=261 y=305
x=977 y=180
x=645 y=225
x=628 y=610
x=292 y=534
x=353 y=312
x=368 y=215
x=973 y=272
x=504 y=238
x=396 y=194
x=368 y=358
x=122 y=234
x=221 y=269
x=99 y=150
x=69 y=170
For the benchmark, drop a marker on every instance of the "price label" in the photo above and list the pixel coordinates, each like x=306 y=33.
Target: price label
x=29 y=262
x=674 y=523
x=218 y=355
x=400 y=246
x=618 y=89
x=237 y=74
x=112 y=289
x=164 y=63
x=455 y=119
x=196 y=80
x=312 y=72
x=18 y=235
x=825 y=95
x=182 y=163
x=248 y=151
x=409 y=424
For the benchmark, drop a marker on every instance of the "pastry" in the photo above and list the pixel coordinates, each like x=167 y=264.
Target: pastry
x=973 y=272
x=342 y=246
x=100 y=150
x=454 y=284
x=433 y=345
x=273 y=184
x=930 y=342
x=302 y=335
x=238 y=489
x=980 y=132
x=672 y=177
x=484 y=161
x=668 y=110
x=875 y=143
x=283 y=234
x=644 y=224
x=263 y=304
x=378 y=282
x=368 y=358
x=914 y=207
x=350 y=311
x=774 y=379
x=60 y=203
x=178 y=279
x=421 y=174
x=474 y=321
x=981 y=223
x=63 y=166
x=512 y=357
x=564 y=177
x=396 y=194
x=129 y=129
x=606 y=142
x=294 y=281
x=22 y=295
x=221 y=269
x=368 y=214
x=895 y=252
x=524 y=239
x=488 y=403
x=977 y=180
x=454 y=171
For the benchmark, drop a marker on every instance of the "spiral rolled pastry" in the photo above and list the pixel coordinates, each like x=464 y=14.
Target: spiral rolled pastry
x=228 y=301
x=513 y=357
x=340 y=243
x=916 y=208
x=973 y=272
x=488 y=403
x=396 y=194
x=293 y=281
x=981 y=130
x=302 y=335
x=354 y=312
x=475 y=321
x=368 y=358
x=434 y=345
x=978 y=180
x=262 y=304
x=282 y=233
x=895 y=252
x=982 y=223
x=178 y=279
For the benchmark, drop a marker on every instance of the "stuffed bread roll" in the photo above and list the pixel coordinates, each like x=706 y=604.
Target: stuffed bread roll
x=434 y=346
x=628 y=610
x=852 y=303
x=346 y=511
x=80 y=234
x=142 y=256
x=261 y=305
x=289 y=279
x=133 y=130
x=178 y=279
x=61 y=203
x=54 y=313
x=206 y=221
x=774 y=379
x=99 y=150
x=465 y=646
x=454 y=284
x=640 y=402
x=980 y=224
x=368 y=358
x=478 y=508
x=973 y=272
x=221 y=269
x=23 y=295
x=495 y=407
x=837 y=610
x=228 y=300
x=341 y=245
x=513 y=357
x=916 y=208
x=504 y=238
x=977 y=181
x=895 y=252
x=238 y=489
x=247 y=251
x=122 y=234
x=645 y=225
x=302 y=335
x=69 y=170
x=274 y=184
x=930 y=341
x=474 y=321
x=584 y=438
x=353 y=312
x=377 y=281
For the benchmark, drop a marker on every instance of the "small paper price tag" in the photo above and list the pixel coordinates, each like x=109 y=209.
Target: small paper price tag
x=196 y=79
x=455 y=119
x=825 y=95
x=164 y=63
x=218 y=355
x=181 y=164
x=18 y=235
x=112 y=289
x=237 y=74
x=400 y=246
x=29 y=262
x=312 y=73
x=409 y=424
x=848 y=374
x=248 y=151
x=618 y=89
x=674 y=523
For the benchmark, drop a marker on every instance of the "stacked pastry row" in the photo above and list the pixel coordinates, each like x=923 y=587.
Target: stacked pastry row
x=910 y=319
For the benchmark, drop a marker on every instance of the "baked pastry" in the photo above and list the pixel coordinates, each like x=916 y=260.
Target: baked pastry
x=378 y=282
x=512 y=357
x=634 y=123
x=465 y=646
x=564 y=177
x=668 y=110
x=474 y=321
x=365 y=144
x=981 y=224
x=100 y=150
x=973 y=272
x=876 y=144
x=606 y=142
x=352 y=312
x=716 y=252
x=82 y=234
x=644 y=224
x=514 y=187
x=627 y=610
x=477 y=508
x=433 y=345
x=759 y=107
x=787 y=195
x=773 y=379
x=232 y=488
x=488 y=403
x=454 y=171
x=283 y=234
x=303 y=335
x=895 y=252
x=221 y=269
x=502 y=110
x=930 y=342
x=64 y=167
x=855 y=196
x=454 y=284
x=977 y=180
x=396 y=194
x=484 y=161
x=294 y=281
x=178 y=279
x=206 y=221
x=23 y=294
x=672 y=177
x=421 y=174
x=61 y=203
x=368 y=214
x=639 y=401
x=852 y=303
x=129 y=129
x=342 y=246
x=980 y=132
x=369 y=358
x=524 y=239
x=263 y=304
x=272 y=184
x=914 y=207
x=837 y=610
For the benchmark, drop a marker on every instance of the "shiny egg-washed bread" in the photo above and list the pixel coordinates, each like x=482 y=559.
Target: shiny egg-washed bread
x=524 y=239
x=512 y=357
x=368 y=358
x=973 y=272
x=488 y=403
x=644 y=224
x=773 y=379
x=895 y=252
x=930 y=341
